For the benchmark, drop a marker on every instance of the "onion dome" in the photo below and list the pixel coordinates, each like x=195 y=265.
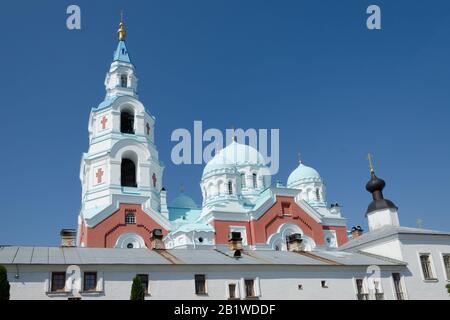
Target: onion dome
x=375 y=186
x=232 y=156
x=303 y=174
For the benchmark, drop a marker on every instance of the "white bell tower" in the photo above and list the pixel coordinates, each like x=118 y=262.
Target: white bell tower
x=122 y=164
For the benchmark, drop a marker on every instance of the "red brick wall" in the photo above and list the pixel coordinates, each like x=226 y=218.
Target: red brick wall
x=285 y=210
x=106 y=233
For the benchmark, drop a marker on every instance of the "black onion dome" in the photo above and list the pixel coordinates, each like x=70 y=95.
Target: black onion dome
x=375 y=184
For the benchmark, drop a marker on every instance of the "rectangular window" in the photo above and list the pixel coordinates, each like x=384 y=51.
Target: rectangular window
x=90 y=281
x=130 y=217
x=255 y=181
x=378 y=292
x=58 y=281
x=446 y=258
x=360 y=294
x=398 y=286
x=249 y=288
x=200 y=284
x=144 y=281
x=425 y=262
x=232 y=291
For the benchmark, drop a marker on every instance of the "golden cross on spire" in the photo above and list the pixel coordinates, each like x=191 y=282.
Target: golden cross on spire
x=370 y=158
x=121 y=32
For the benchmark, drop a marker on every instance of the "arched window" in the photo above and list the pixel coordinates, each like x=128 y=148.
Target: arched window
x=128 y=173
x=230 y=188
x=124 y=81
x=255 y=181
x=242 y=180
x=127 y=122
x=130 y=218
x=317 y=194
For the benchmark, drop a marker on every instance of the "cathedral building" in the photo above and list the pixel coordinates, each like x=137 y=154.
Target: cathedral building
x=123 y=198
x=248 y=239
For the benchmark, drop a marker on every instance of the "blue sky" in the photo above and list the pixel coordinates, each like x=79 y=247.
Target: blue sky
x=310 y=68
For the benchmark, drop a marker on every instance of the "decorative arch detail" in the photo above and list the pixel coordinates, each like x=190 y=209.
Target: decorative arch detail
x=130 y=240
x=277 y=240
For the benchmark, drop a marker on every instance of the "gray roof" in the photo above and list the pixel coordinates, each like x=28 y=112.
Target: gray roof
x=110 y=256
x=388 y=231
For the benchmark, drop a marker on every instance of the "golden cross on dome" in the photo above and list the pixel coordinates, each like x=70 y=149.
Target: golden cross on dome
x=370 y=158
x=299 y=155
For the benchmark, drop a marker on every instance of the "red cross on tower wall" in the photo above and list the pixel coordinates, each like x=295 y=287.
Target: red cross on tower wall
x=99 y=175
x=154 y=180
x=103 y=122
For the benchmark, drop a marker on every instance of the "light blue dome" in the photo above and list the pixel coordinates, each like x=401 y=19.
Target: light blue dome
x=234 y=155
x=303 y=174
x=183 y=201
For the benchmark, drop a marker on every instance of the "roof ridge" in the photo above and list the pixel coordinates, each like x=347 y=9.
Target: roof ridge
x=376 y=256
x=319 y=258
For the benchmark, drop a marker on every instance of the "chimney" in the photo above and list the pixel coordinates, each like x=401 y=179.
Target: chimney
x=356 y=232
x=68 y=237
x=335 y=208
x=163 y=201
x=295 y=242
x=235 y=244
x=156 y=240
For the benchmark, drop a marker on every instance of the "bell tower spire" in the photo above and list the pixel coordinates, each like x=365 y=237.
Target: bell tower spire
x=121 y=79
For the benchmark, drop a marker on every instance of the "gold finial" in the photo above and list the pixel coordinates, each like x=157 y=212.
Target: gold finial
x=121 y=32
x=370 y=158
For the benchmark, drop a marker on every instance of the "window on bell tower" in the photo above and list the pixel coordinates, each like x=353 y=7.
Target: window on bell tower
x=317 y=194
x=127 y=122
x=128 y=173
x=123 y=81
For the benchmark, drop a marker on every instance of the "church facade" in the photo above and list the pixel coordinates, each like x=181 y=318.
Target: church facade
x=123 y=198
x=248 y=239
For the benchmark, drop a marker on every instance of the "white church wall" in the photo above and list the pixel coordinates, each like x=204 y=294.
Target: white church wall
x=389 y=247
x=177 y=282
x=436 y=246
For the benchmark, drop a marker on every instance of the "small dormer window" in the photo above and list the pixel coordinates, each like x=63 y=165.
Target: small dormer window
x=124 y=81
